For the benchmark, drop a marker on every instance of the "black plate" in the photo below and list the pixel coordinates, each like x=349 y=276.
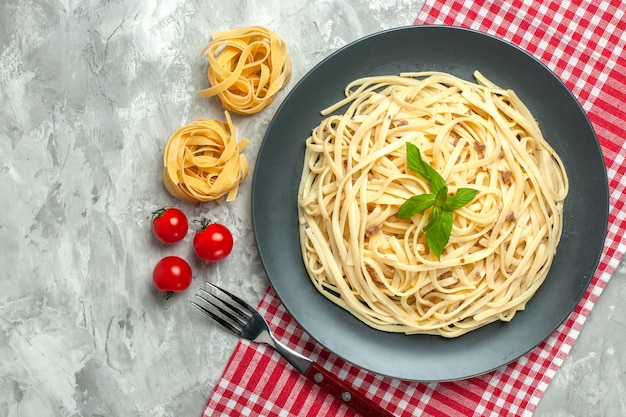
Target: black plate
x=460 y=52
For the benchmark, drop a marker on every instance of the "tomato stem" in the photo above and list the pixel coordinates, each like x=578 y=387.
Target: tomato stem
x=157 y=213
x=204 y=223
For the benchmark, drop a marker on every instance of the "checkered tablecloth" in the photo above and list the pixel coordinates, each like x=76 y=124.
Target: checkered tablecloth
x=583 y=43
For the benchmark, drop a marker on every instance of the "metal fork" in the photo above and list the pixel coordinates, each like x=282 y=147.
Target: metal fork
x=242 y=319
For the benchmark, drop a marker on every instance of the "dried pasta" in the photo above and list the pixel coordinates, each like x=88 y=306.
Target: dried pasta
x=247 y=67
x=364 y=258
x=204 y=162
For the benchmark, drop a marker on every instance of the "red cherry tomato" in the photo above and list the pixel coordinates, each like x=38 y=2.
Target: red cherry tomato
x=213 y=242
x=171 y=274
x=169 y=225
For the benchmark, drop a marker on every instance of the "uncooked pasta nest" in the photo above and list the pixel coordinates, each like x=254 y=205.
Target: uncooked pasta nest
x=247 y=67
x=203 y=161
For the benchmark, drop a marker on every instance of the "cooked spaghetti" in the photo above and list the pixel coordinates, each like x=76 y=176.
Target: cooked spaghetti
x=364 y=258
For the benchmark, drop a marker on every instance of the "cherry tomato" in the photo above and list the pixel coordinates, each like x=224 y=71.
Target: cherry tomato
x=171 y=274
x=213 y=242
x=169 y=225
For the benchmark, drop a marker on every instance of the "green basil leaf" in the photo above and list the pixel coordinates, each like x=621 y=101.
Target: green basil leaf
x=440 y=222
x=441 y=197
x=437 y=183
x=438 y=230
x=462 y=197
x=416 y=163
x=416 y=204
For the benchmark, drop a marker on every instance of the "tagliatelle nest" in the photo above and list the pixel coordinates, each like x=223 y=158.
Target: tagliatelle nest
x=247 y=67
x=203 y=161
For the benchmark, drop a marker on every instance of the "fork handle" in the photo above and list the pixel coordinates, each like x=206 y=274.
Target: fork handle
x=358 y=402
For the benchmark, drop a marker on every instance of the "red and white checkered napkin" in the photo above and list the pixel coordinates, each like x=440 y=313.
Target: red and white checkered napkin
x=583 y=42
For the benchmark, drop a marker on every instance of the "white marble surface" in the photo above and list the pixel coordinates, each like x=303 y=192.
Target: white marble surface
x=89 y=93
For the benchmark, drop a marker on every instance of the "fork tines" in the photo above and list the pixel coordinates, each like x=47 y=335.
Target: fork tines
x=220 y=308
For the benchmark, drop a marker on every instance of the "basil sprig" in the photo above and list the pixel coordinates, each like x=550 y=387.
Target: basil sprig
x=441 y=218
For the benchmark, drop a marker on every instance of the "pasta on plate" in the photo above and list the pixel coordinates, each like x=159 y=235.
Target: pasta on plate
x=364 y=258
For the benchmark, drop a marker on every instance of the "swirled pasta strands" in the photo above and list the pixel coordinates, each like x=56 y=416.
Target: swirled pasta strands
x=364 y=258
x=203 y=161
x=247 y=67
